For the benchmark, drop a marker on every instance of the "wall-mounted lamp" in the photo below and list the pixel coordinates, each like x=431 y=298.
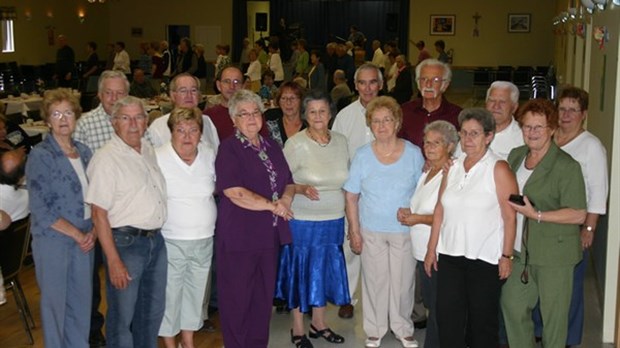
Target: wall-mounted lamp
x=589 y=5
x=49 y=14
x=81 y=17
x=28 y=15
x=600 y=4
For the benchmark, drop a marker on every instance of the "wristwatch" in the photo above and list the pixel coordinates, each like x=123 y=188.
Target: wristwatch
x=589 y=228
x=509 y=257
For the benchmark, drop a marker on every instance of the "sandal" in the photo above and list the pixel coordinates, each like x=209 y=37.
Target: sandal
x=326 y=333
x=301 y=341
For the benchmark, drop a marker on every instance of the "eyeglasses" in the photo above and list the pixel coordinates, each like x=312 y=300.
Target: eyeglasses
x=187 y=91
x=386 y=121
x=433 y=80
x=187 y=132
x=57 y=115
x=126 y=118
x=570 y=111
x=233 y=82
x=246 y=115
x=473 y=134
x=432 y=144
x=533 y=129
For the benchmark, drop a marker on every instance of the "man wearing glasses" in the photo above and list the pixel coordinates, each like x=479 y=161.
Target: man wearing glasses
x=229 y=81
x=433 y=78
x=184 y=92
x=127 y=193
x=95 y=129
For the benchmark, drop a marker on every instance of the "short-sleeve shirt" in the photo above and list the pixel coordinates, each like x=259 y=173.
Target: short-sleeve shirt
x=159 y=133
x=128 y=184
x=416 y=117
x=383 y=189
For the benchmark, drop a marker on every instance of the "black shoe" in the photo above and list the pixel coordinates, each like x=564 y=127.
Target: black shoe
x=301 y=341
x=208 y=326
x=326 y=333
x=420 y=324
x=96 y=340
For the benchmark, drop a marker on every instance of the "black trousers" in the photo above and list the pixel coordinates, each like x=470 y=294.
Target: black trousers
x=467 y=302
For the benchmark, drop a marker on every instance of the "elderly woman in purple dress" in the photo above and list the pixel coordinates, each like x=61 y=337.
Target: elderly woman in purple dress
x=256 y=190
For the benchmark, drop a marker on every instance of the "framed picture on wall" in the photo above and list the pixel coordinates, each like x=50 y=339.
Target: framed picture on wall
x=519 y=22
x=442 y=24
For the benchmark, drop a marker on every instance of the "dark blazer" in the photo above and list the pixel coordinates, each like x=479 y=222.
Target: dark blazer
x=54 y=188
x=403 y=89
x=555 y=183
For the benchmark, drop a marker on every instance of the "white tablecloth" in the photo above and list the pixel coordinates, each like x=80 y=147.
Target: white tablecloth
x=21 y=105
x=35 y=128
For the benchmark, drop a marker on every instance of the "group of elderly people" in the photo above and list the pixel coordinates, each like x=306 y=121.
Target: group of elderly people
x=280 y=217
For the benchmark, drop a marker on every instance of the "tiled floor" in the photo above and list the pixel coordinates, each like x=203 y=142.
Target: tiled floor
x=352 y=330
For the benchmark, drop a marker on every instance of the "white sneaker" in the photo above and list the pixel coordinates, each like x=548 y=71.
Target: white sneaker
x=408 y=342
x=373 y=343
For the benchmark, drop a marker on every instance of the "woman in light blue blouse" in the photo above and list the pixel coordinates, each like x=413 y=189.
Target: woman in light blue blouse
x=61 y=226
x=382 y=178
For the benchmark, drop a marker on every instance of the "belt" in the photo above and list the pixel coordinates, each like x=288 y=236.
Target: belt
x=136 y=232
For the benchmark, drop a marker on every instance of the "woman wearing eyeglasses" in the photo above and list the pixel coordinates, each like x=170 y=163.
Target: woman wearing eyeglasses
x=382 y=178
x=256 y=189
x=187 y=165
x=61 y=226
x=548 y=243
x=286 y=120
x=473 y=233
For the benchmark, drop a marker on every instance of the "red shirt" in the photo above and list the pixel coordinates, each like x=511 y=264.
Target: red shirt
x=224 y=124
x=416 y=117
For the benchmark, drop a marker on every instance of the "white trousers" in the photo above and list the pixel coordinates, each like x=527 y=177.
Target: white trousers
x=388 y=269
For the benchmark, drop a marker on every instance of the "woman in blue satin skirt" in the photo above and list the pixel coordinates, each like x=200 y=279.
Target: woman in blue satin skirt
x=312 y=269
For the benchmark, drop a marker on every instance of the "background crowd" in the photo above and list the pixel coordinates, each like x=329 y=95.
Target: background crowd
x=289 y=186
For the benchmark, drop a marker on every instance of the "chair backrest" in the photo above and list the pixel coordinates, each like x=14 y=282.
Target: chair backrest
x=13 y=247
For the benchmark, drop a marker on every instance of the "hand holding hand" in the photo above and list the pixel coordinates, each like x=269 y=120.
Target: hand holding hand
x=311 y=192
x=282 y=208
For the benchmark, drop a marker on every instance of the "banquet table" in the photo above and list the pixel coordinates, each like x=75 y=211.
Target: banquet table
x=21 y=104
x=35 y=128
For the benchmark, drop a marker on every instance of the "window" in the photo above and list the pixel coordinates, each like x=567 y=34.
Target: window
x=6 y=27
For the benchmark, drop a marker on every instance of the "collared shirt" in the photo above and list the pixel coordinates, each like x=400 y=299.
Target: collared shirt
x=159 y=133
x=94 y=128
x=506 y=140
x=351 y=122
x=509 y=138
x=416 y=117
x=128 y=185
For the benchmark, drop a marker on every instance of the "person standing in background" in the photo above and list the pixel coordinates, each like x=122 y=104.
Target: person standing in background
x=65 y=62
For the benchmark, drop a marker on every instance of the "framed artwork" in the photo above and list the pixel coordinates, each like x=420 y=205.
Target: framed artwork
x=442 y=24
x=519 y=22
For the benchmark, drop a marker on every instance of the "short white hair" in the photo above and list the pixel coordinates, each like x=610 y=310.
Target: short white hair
x=514 y=90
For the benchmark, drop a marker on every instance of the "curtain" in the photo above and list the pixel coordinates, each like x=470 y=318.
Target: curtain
x=322 y=21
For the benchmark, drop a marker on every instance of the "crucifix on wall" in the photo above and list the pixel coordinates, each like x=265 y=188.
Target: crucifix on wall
x=476 y=18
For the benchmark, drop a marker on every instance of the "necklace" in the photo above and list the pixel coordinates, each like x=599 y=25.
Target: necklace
x=72 y=151
x=329 y=138
x=387 y=154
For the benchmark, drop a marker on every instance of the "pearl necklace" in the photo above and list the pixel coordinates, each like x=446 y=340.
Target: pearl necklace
x=329 y=138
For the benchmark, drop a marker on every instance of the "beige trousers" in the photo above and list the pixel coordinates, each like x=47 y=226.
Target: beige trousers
x=388 y=269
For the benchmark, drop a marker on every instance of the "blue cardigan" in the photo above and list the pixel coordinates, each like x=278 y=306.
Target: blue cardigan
x=54 y=188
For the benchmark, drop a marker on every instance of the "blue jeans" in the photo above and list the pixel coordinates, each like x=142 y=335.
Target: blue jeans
x=136 y=312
